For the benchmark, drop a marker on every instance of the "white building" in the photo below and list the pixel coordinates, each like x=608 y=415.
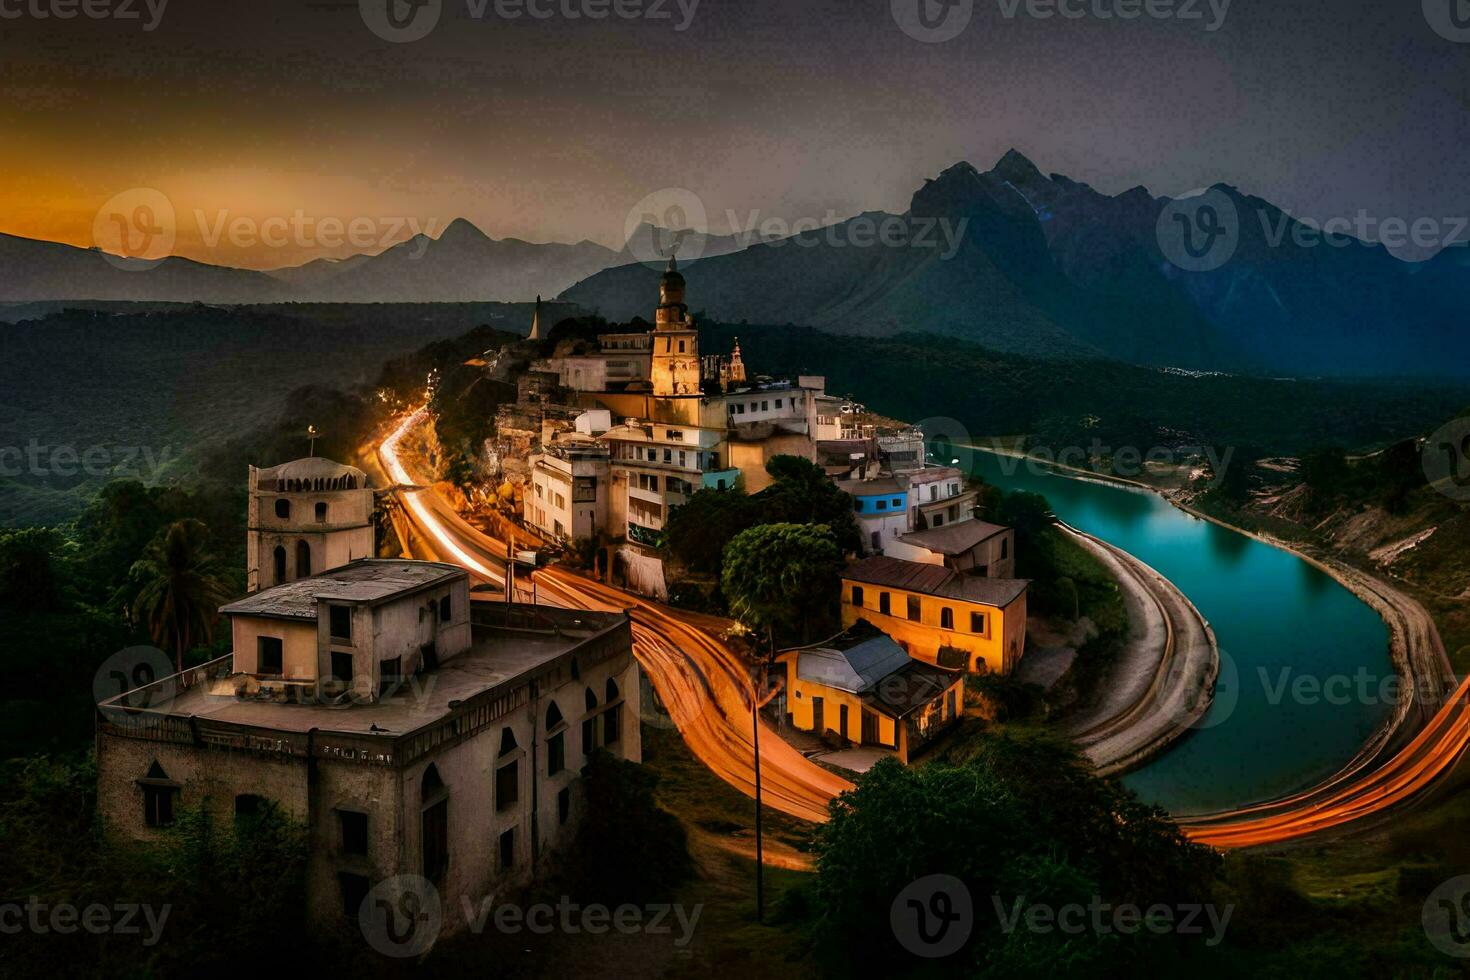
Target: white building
x=305 y=517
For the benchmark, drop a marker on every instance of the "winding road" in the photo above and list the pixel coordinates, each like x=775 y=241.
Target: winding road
x=707 y=689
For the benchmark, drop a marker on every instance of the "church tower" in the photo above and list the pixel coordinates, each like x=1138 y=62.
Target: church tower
x=675 y=341
x=305 y=518
x=737 y=366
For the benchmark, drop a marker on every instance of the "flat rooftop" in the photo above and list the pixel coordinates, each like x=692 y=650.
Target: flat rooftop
x=497 y=655
x=368 y=580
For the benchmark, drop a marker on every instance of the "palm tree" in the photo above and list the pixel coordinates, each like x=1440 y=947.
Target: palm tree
x=181 y=588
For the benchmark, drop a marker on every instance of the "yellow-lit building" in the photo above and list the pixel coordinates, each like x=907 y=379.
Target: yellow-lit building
x=863 y=686
x=937 y=615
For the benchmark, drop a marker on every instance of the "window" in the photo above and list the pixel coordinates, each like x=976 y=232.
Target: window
x=269 y=655
x=563 y=804
x=303 y=559
x=778 y=403
x=946 y=618
x=556 y=745
x=915 y=607
x=933 y=492
x=279 y=561
x=248 y=806
x=507 y=786
x=857 y=595
x=612 y=718
x=434 y=824
x=283 y=509
x=354 y=893
x=977 y=622
x=445 y=610
x=340 y=622
x=765 y=406
x=884 y=603
x=938 y=520
x=321 y=513
x=1005 y=548
x=158 y=797
x=342 y=667
x=857 y=505
x=589 y=724
x=898 y=502
x=391 y=675
x=508 y=850
x=668 y=455
x=352 y=828
x=882 y=505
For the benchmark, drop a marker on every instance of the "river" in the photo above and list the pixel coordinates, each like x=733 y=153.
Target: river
x=1305 y=676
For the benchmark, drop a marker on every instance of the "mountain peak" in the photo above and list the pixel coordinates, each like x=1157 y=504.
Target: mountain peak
x=462 y=230
x=1015 y=167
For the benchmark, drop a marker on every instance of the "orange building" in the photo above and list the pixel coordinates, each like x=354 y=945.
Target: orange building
x=942 y=617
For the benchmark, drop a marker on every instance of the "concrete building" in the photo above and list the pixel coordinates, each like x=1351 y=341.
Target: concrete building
x=970 y=547
x=570 y=487
x=881 y=509
x=944 y=618
x=305 y=517
x=863 y=687
x=411 y=734
x=938 y=496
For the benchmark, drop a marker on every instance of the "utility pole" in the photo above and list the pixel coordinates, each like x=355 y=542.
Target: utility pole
x=760 y=866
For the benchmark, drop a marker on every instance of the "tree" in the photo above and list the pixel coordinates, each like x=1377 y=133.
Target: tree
x=1018 y=820
x=180 y=588
x=776 y=576
x=28 y=576
x=1028 y=513
x=699 y=529
x=804 y=494
x=632 y=849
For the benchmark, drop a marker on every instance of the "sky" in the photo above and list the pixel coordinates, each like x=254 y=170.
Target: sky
x=276 y=131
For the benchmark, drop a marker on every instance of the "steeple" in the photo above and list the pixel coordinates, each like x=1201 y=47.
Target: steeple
x=737 y=366
x=536 y=321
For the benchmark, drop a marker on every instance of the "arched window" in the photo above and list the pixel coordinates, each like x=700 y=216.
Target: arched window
x=589 y=724
x=612 y=716
x=279 y=559
x=507 y=741
x=303 y=559
x=507 y=774
x=158 y=796
x=556 y=744
x=283 y=509
x=434 y=824
x=321 y=513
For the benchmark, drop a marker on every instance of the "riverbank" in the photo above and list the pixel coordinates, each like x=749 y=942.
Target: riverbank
x=1162 y=681
x=1416 y=651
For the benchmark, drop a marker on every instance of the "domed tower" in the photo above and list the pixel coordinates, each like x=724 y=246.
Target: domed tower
x=306 y=517
x=675 y=341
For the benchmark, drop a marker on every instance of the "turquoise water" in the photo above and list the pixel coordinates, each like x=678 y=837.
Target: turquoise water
x=1305 y=671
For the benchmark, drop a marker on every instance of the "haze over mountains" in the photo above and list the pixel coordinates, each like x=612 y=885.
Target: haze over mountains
x=1009 y=258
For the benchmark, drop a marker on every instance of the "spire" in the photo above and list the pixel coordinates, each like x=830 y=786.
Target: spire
x=536 y=321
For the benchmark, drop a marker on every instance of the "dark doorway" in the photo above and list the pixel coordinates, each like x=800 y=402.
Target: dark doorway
x=819 y=715
x=842 y=720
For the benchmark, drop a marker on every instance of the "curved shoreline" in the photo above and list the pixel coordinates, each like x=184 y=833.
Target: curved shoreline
x=1164 y=680
x=1415 y=648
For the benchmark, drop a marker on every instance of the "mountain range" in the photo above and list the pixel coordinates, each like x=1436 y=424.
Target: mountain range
x=1009 y=258
x=1049 y=265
